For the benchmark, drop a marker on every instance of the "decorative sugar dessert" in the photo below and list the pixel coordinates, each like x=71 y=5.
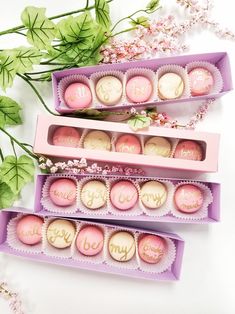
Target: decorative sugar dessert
x=109 y=90
x=188 y=198
x=158 y=146
x=170 y=86
x=29 y=229
x=121 y=246
x=153 y=194
x=201 y=81
x=60 y=233
x=188 y=150
x=94 y=194
x=139 y=89
x=151 y=248
x=97 y=140
x=123 y=195
x=128 y=143
x=90 y=241
x=62 y=192
x=66 y=136
x=78 y=96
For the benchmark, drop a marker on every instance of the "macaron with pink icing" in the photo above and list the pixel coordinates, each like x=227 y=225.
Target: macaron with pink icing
x=139 y=89
x=66 y=136
x=128 y=143
x=29 y=229
x=78 y=96
x=151 y=248
x=62 y=192
x=190 y=150
x=90 y=241
x=123 y=195
x=201 y=81
x=188 y=198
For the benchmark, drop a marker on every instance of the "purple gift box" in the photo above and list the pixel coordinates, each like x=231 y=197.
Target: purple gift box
x=172 y=273
x=219 y=59
x=213 y=212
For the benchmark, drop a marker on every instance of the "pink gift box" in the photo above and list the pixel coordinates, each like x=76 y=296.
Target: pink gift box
x=219 y=59
x=171 y=274
x=47 y=124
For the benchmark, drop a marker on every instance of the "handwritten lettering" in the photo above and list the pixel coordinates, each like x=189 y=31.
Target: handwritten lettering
x=59 y=233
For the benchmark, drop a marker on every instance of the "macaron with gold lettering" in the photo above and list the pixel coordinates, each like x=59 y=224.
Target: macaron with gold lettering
x=94 y=194
x=62 y=192
x=78 y=96
x=188 y=198
x=90 y=241
x=60 y=233
x=123 y=195
x=188 y=150
x=153 y=194
x=128 y=143
x=97 y=140
x=109 y=90
x=170 y=86
x=151 y=248
x=29 y=229
x=157 y=146
x=121 y=246
x=66 y=136
x=139 y=89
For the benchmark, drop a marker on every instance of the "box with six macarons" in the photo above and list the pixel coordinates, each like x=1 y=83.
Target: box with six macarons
x=115 y=142
x=128 y=198
x=141 y=83
x=133 y=252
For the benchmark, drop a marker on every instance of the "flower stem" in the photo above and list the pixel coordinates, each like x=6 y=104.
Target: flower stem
x=13 y=139
x=22 y=27
x=37 y=93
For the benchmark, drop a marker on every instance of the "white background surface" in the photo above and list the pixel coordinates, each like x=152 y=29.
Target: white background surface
x=208 y=274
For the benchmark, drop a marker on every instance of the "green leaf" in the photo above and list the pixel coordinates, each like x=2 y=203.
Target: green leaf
x=41 y=31
x=79 y=30
x=16 y=172
x=152 y=6
x=7 y=69
x=26 y=58
x=9 y=112
x=102 y=13
x=142 y=20
x=7 y=197
x=139 y=122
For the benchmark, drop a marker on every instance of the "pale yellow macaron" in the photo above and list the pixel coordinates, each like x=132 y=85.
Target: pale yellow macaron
x=122 y=246
x=158 y=146
x=170 y=86
x=60 y=233
x=97 y=140
x=94 y=194
x=153 y=194
x=109 y=90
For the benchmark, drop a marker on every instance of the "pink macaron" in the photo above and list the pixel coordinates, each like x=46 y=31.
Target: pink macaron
x=151 y=248
x=66 y=136
x=123 y=195
x=188 y=198
x=78 y=96
x=62 y=192
x=128 y=143
x=188 y=150
x=29 y=229
x=90 y=241
x=139 y=89
x=201 y=81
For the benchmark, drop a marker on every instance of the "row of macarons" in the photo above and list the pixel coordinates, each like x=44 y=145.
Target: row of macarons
x=126 y=143
x=122 y=194
x=172 y=83
x=89 y=240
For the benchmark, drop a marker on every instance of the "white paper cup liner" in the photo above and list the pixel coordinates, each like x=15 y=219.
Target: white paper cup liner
x=15 y=243
x=218 y=80
x=94 y=78
x=173 y=68
x=131 y=264
x=46 y=200
x=97 y=259
x=142 y=72
x=166 y=207
x=65 y=82
x=165 y=262
x=203 y=211
x=48 y=249
x=135 y=210
x=99 y=211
